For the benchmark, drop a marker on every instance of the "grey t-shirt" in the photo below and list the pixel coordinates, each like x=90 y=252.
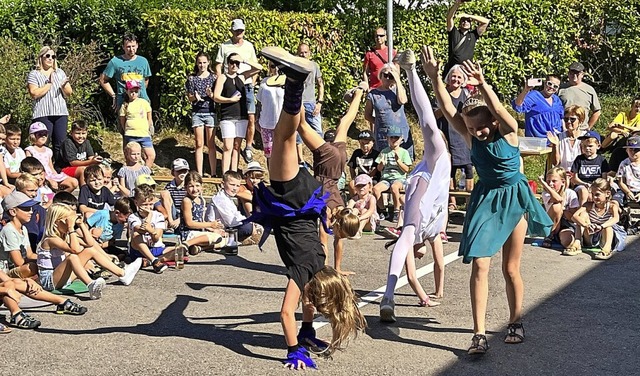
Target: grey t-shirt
x=583 y=95
x=11 y=240
x=309 y=93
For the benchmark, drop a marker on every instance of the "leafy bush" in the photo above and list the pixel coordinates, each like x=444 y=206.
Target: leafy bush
x=17 y=62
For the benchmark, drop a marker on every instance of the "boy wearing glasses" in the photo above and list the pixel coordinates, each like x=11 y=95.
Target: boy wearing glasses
x=462 y=41
x=542 y=108
x=15 y=250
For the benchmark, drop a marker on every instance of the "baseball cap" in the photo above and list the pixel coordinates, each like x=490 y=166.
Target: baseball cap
x=365 y=135
x=253 y=166
x=179 y=164
x=590 y=134
x=132 y=84
x=16 y=199
x=394 y=132
x=363 y=179
x=37 y=127
x=633 y=142
x=330 y=135
x=237 y=24
x=145 y=179
x=576 y=66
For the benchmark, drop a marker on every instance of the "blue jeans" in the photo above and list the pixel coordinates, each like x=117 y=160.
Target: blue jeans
x=251 y=98
x=314 y=121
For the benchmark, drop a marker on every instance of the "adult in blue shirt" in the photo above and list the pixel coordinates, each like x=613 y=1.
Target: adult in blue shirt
x=543 y=110
x=126 y=67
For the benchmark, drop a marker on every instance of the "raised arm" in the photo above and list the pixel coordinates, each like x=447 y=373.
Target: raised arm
x=352 y=112
x=451 y=14
x=483 y=22
x=450 y=112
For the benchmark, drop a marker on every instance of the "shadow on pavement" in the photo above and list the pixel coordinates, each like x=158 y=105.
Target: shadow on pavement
x=590 y=327
x=240 y=262
x=172 y=323
x=200 y=286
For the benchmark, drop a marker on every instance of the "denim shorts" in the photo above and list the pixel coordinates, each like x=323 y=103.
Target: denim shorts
x=251 y=99
x=46 y=280
x=208 y=119
x=145 y=142
x=389 y=183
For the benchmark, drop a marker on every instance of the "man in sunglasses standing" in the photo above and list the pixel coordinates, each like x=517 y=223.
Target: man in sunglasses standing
x=237 y=44
x=462 y=41
x=375 y=58
x=543 y=110
x=576 y=92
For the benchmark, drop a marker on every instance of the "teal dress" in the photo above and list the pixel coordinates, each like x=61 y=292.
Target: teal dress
x=498 y=201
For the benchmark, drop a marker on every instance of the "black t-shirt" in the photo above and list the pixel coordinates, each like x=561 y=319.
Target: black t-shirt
x=589 y=170
x=362 y=163
x=71 y=151
x=96 y=200
x=465 y=51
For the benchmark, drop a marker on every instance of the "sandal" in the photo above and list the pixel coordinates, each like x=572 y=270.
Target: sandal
x=23 y=321
x=4 y=329
x=573 y=249
x=479 y=345
x=428 y=303
x=513 y=334
x=603 y=255
x=453 y=206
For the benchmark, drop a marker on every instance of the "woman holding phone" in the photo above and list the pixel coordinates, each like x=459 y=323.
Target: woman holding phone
x=231 y=94
x=542 y=109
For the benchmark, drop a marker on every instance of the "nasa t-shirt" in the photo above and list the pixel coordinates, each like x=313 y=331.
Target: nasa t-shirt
x=589 y=170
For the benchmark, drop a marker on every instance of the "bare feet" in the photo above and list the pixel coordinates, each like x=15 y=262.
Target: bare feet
x=433 y=295
x=429 y=303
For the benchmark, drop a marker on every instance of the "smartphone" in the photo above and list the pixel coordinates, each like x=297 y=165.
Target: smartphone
x=236 y=93
x=532 y=82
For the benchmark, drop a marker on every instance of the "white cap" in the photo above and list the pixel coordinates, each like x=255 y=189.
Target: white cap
x=237 y=24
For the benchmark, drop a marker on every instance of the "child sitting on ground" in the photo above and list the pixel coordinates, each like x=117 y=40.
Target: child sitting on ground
x=253 y=175
x=394 y=162
x=15 y=248
x=14 y=154
x=136 y=121
x=561 y=203
x=110 y=182
x=195 y=232
x=33 y=167
x=64 y=254
x=145 y=228
x=363 y=161
x=588 y=166
x=28 y=185
x=365 y=202
x=5 y=187
x=173 y=193
x=14 y=288
x=224 y=209
x=38 y=135
x=597 y=222
x=629 y=171
x=94 y=196
x=128 y=174
x=77 y=152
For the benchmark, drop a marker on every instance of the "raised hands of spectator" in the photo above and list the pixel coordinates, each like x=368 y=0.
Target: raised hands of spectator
x=429 y=62
x=5 y=119
x=473 y=70
x=553 y=138
x=209 y=92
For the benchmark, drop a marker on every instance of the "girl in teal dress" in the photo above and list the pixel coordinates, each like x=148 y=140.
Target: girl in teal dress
x=502 y=208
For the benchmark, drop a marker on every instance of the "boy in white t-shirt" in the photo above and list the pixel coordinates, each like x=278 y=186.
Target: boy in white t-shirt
x=146 y=227
x=14 y=154
x=629 y=171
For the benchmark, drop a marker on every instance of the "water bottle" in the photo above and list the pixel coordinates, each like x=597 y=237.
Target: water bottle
x=179 y=257
x=231 y=248
x=462 y=183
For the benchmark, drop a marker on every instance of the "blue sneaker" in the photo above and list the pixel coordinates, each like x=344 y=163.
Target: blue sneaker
x=299 y=359
x=308 y=339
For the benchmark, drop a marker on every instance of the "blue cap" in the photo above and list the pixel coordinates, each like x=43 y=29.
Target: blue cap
x=394 y=132
x=590 y=134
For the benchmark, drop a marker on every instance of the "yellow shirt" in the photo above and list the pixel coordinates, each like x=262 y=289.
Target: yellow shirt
x=137 y=123
x=622 y=118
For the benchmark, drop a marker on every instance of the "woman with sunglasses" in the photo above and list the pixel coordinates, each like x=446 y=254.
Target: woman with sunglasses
x=48 y=86
x=230 y=92
x=565 y=146
x=542 y=109
x=385 y=109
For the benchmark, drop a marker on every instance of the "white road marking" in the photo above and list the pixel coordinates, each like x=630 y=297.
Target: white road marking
x=402 y=281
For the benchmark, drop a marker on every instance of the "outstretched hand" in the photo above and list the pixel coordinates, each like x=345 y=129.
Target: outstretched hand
x=473 y=70
x=429 y=62
x=553 y=138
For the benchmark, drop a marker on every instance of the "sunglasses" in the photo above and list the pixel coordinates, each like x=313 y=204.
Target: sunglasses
x=50 y=56
x=570 y=119
x=552 y=85
x=26 y=209
x=388 y=76
x=574 y=72
x=235 y=62
x=381 y=35
x=465 y=19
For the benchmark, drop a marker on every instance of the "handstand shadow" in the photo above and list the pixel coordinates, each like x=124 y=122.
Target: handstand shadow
x=173 y=323
x=200 y=286
x=240 y=262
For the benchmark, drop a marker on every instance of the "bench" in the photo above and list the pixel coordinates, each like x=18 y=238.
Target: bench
x=168 y=178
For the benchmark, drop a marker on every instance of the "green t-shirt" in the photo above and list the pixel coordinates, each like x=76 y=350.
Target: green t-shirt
x=123 y=70
x=13 y=240
x=391 y=171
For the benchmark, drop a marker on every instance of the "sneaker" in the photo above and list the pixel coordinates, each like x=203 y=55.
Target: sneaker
x=159 y=267
x=294 y=67
x=95 y=288
x=405 y=59
x=396 y=216
x=130 y=271
x=387 y=313
x=391 y=232
x=247 y=155
x=23 y=321
x=71 y=308
x=308 y=339
x=195 y=250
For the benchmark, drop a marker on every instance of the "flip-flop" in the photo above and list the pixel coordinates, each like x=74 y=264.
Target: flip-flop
x=4 y=329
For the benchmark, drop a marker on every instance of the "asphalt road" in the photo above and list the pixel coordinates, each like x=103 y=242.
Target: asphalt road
x=220 y=316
